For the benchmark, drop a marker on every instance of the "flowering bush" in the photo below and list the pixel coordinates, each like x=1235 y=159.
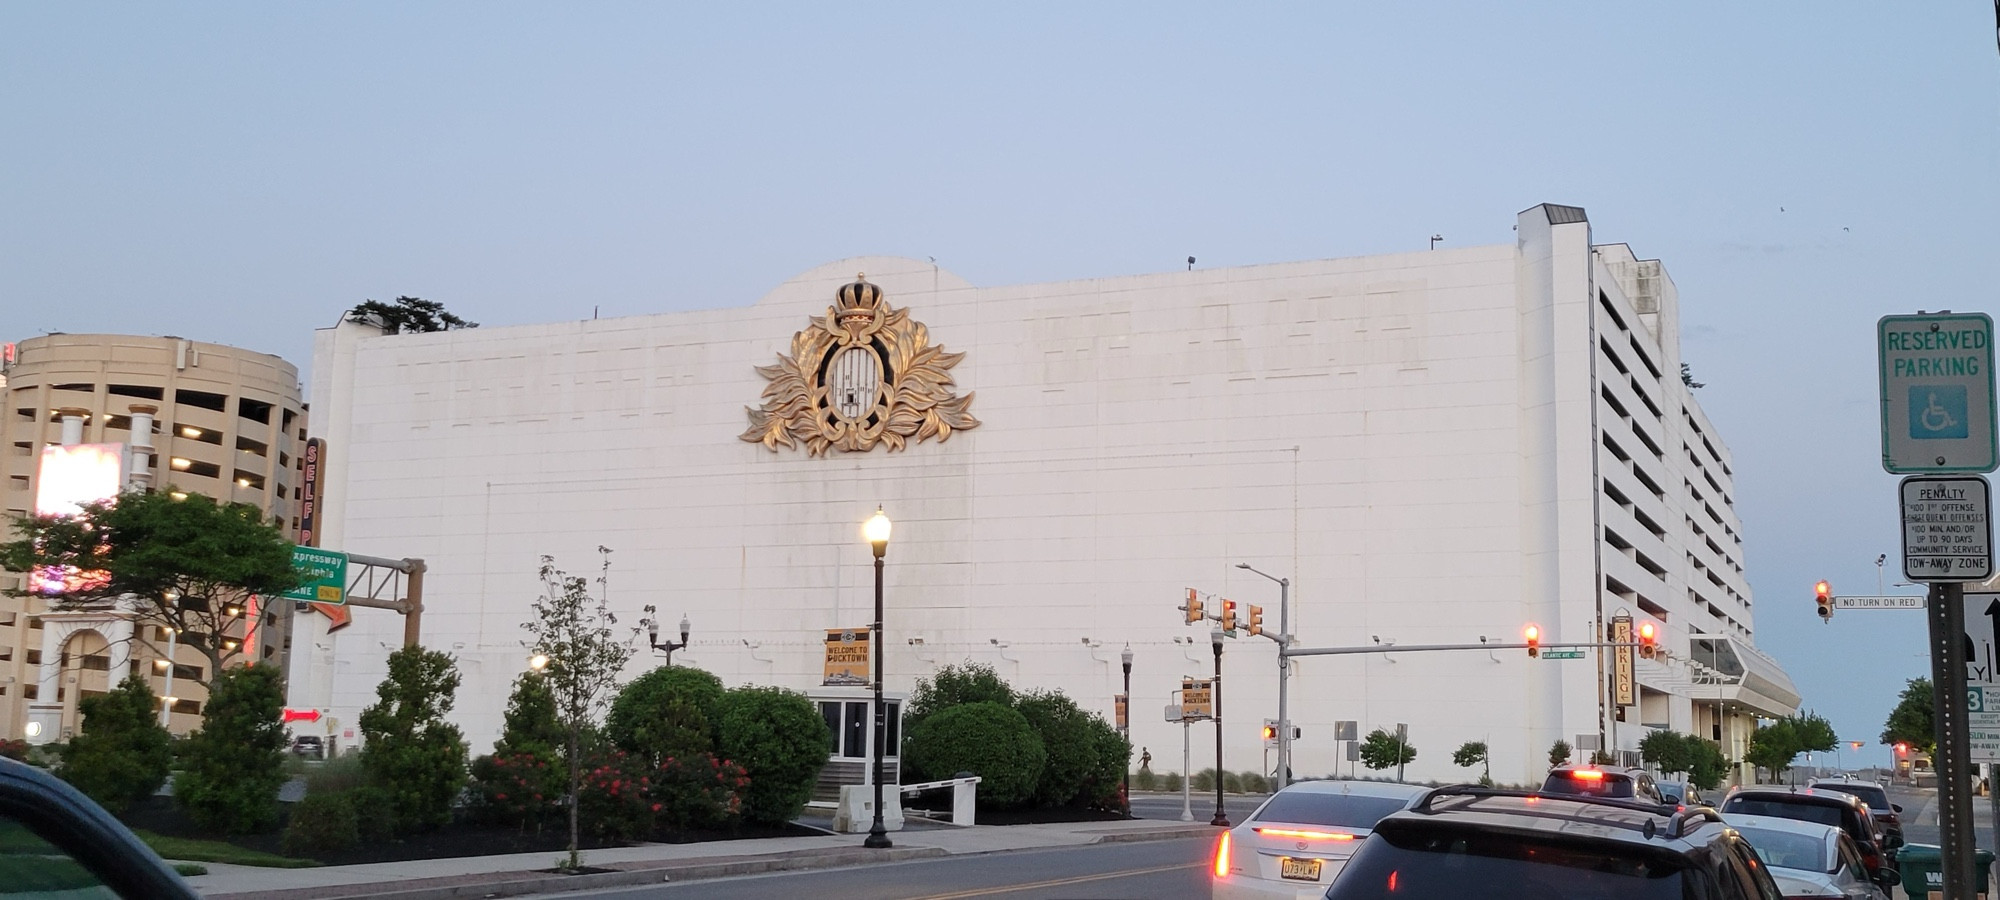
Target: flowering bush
x=615 y=801
x=13 y=748
x=698 y=792
x=523 y=789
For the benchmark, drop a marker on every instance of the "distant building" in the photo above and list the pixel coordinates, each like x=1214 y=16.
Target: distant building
x=1434 y=447
x=220 y=421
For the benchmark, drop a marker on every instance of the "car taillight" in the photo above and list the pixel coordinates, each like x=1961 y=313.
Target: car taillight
x=1304 y=835
x=1587 y=775
x=1222 y=856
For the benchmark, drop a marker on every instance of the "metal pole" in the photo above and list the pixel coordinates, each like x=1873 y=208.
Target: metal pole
x=167 y=699
x=413 y=605
x=1125 y=731
x=878 y=834
x=1954 y=800
x=1221 y=816
x=1187 y=770
x=1284 y=683
x=1402 y=740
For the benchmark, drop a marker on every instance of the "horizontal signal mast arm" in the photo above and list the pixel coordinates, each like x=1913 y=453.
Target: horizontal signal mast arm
x=1420 y=648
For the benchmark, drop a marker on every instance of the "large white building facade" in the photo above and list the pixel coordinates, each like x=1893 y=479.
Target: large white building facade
x=1433 y=447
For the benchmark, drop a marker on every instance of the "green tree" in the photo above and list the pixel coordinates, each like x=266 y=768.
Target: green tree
x=407 y=314
x=233 y=766
x=1381 y=750
x=1913 y=721
x=122 y=755
x=1474 y=753
x=410 y=752
x=953 y=685
x=1067 y=737
x=987 y=739
x=1773 y=746
x=780 y=740
x=530 y=724
x=1709 y=765
x=1559 y=753
x=668 y=712
x=1814 y=733
x=189 y=564
x=1672 y=751
x=580 y=657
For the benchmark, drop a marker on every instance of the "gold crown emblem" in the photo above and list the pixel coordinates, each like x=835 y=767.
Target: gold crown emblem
x=859 y=301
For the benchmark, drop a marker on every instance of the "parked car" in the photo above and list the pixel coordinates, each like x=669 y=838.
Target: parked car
x=309 y=746
x=1841 y=810
x=1888 y=818
x=1465 y=841
x=1610 y=782
x=1296 y=842
x=55 y=842
x=1811 y=861
x=1680 y=792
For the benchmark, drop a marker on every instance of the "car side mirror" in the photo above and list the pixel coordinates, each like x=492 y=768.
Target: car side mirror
x=1887 y=878
x=1896 y=806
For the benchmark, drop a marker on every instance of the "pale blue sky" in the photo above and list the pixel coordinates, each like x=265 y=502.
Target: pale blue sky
x=242 y=173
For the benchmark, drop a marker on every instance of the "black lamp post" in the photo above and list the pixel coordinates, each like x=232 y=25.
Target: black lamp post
x=1125 y=728
x=877 y=532
x=653 y=634
x=1221 y=817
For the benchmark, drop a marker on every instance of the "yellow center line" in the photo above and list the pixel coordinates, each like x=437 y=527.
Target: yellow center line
x=1013 y=888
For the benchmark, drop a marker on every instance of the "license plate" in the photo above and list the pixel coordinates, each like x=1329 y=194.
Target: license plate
x=1299 y=869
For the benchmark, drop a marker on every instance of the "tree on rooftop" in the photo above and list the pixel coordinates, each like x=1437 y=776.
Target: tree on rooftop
x=407 y=314
x=179 y=561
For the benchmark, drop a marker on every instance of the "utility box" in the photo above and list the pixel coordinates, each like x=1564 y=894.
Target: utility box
x=856 y=812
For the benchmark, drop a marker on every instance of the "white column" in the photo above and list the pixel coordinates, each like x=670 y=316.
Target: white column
x=139 y=466
x=72 y=424
x=45 y=714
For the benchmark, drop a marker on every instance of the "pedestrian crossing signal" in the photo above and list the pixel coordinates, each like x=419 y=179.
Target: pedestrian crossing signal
x=1193 y=606
x=1256 y=623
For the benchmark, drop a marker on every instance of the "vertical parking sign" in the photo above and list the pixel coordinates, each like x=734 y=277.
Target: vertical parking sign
x=1937 y=393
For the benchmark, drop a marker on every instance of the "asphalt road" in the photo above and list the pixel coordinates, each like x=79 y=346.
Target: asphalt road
x=1146 y=870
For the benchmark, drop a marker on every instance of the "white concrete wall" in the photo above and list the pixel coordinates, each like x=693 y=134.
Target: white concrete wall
x=1406 y=437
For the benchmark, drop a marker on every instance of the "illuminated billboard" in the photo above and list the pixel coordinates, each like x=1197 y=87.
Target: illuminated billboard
x=71 y=478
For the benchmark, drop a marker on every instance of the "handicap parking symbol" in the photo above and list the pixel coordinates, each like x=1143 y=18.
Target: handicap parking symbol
x=1937 y=412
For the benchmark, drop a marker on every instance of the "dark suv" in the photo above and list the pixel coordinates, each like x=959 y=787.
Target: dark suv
x=1827 y=807
x=1887 y=820
x=1465 y=841
x=1613 y=782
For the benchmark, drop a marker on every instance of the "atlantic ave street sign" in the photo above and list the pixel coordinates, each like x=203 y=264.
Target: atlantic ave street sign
x=1937 y=393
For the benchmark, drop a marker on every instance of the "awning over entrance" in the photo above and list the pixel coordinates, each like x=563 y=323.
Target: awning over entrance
x=1739 y=673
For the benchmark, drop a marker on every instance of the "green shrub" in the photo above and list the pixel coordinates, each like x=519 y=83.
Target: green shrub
x=1067 y=737
x=957 y=685
x=368 y=801
x=1145 y=780
x=235 y=763
x=411 y=752
x=1103 y=787
x=530 y=722
x=321 y=823
x=615 y=800
x=519 y=789
x=780 y=740
x=122 y=754
x=1254 y=782
x=15 y=748
x=1171 y=782
x=1232 y=783
x=986 y=739
x=668 y=712
x=1204 y=782
x=337 y=775
x=698 y=792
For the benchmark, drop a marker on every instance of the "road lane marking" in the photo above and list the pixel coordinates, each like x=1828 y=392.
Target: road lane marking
x=1013 y=888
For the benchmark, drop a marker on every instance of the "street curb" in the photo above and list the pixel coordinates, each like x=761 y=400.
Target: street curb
x=515 y=884
x=1164 y=834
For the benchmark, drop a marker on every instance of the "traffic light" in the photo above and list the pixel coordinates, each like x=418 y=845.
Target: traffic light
x=1228 y=617
x=1824 y=592
x=1256 y=625
x=1533 y=635
x=1902 y=749
x=1193 y=606
x=1270 y=731
x=1649 y=641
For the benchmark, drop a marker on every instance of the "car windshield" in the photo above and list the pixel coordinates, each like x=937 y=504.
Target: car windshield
x=1442 y=864
x=1334 y=810
x=1804 y=812
x=1789 y=849
x=1592 y=782
x=1875 y=797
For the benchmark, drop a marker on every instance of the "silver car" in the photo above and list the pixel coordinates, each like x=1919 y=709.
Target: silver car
x=1808 y=859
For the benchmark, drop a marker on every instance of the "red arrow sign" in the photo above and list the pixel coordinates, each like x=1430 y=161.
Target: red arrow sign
x=300 y=715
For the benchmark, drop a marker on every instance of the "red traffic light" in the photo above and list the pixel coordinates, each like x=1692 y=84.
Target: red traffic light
x=1902 y=749
x=1823 y=590
x=1533 y=635
x=1648 y=640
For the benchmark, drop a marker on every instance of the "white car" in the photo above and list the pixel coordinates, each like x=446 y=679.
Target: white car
x=1294 y=844
x=1810 y=860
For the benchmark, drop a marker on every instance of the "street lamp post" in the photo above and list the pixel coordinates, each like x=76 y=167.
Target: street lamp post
x=653 y=635
x=1284 y=675
x=1221 y=816
x=167 y=696
x=1125 y=730
x=877 y=532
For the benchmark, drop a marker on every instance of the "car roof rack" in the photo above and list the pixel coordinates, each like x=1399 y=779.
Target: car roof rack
x=1689 y=819
x=1474 y=790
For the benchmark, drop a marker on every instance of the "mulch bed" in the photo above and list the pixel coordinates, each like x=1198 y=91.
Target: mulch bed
x=159 y=815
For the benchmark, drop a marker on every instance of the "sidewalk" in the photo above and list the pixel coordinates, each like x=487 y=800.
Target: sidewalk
x=517 y=875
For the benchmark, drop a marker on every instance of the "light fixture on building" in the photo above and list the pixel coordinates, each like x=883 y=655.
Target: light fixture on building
x=179 y=462
x=190 y=431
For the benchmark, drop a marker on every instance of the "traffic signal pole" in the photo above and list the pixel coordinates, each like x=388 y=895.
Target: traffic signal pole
x=1946 y=610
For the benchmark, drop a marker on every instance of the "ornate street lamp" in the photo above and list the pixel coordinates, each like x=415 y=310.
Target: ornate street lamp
x=1221 y=816
x=1125 y=729
x=876 y=531
x=653 y=635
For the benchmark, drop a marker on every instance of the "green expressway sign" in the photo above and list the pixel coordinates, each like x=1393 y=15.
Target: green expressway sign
x=326 y=571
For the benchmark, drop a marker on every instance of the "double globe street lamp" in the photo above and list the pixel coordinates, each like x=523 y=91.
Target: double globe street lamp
x=876 y=531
